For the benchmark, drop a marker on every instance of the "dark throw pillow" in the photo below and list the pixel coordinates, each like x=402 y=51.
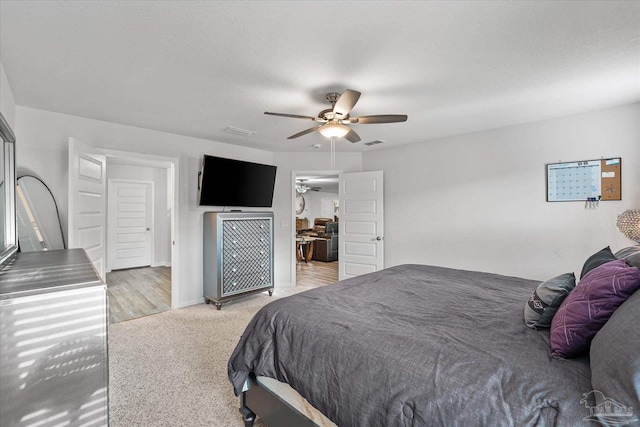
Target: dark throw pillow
x=615 y=355
x=601 y=257
x=546 y=299
x=589 y=306
x=631 y=254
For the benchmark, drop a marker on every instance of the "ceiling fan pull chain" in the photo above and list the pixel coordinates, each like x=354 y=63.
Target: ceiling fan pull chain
x=333 y=153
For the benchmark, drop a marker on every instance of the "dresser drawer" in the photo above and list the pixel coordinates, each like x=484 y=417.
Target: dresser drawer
x=242 y=282
x=246 y=228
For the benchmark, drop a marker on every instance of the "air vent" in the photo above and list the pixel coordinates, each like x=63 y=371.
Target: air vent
x=376 y=142
x=240 y=131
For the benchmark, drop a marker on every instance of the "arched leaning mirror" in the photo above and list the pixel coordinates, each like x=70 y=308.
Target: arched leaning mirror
x=8 y=243
x=39 y=227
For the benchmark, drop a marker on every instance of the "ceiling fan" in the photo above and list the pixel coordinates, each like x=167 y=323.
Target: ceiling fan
x=334 y=120
x=302 y=188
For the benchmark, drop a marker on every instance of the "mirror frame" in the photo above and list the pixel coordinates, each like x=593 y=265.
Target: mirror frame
x=20 y=201
x=9 y=226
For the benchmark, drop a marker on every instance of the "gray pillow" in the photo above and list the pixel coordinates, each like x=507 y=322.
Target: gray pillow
x=603 y=256
x=546 y=299
x=631 y=254
x=615 y=356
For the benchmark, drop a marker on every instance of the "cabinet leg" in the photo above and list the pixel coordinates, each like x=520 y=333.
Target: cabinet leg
x=270 y=292
x=218 y=305
x=207 y=301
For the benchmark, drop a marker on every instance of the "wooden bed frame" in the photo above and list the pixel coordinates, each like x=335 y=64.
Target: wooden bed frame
x=259 y=400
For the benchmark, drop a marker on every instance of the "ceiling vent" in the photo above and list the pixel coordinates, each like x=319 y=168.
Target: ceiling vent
x=376 y=142
x=240 y=131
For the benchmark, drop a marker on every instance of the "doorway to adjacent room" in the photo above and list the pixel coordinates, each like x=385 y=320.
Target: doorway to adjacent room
x=138 y=239
x=316 y=227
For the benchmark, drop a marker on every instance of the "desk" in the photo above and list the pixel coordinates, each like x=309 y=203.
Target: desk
x=304 y=248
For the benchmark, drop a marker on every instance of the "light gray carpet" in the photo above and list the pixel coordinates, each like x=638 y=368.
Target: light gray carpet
x=170 y=369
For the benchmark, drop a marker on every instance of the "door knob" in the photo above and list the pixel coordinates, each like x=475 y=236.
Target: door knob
x=378 y=238
x=148 y=229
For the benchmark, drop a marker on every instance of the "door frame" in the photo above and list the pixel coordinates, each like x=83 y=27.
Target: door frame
x=171 y=164
x=152 y=222
x=292 y=209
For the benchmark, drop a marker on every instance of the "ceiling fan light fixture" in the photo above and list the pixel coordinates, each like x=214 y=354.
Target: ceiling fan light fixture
x=334 y=130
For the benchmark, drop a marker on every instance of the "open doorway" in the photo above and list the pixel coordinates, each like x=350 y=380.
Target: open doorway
x=138 y=262
x=316 y=231
x=87 y=221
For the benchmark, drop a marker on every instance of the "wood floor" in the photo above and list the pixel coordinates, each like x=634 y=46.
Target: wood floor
x=316 y=273
x=138 y=292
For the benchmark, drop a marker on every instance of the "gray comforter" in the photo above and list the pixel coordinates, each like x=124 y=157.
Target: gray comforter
x=415 y=345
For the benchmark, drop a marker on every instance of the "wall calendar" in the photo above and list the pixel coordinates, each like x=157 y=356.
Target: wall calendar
x=589 y=180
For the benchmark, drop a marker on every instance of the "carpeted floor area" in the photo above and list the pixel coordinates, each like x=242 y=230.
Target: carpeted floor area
x=170 y=369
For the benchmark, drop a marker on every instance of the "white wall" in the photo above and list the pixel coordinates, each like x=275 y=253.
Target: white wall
x=477 y=201
x=161 y=207
x=43 y=149
x=314 y=200
x=283 y=203
x=7 y=102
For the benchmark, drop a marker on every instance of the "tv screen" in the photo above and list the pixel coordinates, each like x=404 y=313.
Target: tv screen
x=230 y=182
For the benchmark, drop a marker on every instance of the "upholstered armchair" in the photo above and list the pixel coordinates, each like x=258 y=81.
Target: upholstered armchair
x=319 y=227
x=326 y=246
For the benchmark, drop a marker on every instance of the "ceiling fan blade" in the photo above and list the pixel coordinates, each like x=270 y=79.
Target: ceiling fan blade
x=346 y=101
x=381 y=118
x=293 y=116
x=304 y=132
x=352 y=136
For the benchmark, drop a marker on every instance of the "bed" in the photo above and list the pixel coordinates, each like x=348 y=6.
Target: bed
x=411 y=345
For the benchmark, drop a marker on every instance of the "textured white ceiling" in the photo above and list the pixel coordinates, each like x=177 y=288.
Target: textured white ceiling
x=195 y=68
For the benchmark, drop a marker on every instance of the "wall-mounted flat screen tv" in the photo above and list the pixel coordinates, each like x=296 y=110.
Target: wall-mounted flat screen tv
x=230 y=182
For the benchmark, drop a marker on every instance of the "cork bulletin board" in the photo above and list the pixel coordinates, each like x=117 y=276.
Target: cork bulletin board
x=586 y=180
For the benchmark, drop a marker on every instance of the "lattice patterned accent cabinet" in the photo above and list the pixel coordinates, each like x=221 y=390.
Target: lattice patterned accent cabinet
x=238 y=255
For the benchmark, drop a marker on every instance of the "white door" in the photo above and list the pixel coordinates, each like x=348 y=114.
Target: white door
x=87 y=204
x=361 y=227
x=129 y=223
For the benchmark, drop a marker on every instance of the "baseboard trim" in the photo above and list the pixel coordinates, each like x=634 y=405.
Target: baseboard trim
x=188 y=303
x=280 y=285
x=161 y=264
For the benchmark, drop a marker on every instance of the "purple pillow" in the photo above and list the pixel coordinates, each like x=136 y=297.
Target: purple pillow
x=589 y=306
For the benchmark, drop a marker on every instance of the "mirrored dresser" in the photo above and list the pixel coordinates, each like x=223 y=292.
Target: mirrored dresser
x=53 y=341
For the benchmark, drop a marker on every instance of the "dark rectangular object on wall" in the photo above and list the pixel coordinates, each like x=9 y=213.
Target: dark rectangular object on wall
x=231 y=182
x=588 y=180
